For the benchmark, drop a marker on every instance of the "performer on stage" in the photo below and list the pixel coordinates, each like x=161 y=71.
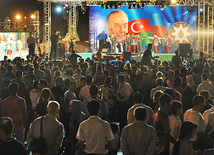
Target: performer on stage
x=156 y=41
x=139 y=40
x=168 y=43
x=54 y=40
x=113 y=43
x=128 y=42
x=31 y=44
x=134 y=43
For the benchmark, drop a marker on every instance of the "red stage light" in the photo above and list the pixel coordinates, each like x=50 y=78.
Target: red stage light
x=121 y=57
x=102 y=57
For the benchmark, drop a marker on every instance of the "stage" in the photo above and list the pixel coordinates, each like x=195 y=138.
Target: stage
x=162 y=57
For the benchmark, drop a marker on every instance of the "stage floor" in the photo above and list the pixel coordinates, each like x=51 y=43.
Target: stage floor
x=23 y=54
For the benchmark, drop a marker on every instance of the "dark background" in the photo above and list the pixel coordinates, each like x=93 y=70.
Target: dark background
x=10 y=8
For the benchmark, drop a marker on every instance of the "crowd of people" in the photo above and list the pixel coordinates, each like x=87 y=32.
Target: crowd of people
x=91 y=107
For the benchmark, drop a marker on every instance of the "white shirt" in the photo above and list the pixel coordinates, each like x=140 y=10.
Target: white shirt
x=153 y=91
x=207 y=113
x=34 y=96
x=84 y=93
x=149 y=113
x=174 y=122
x=195 y=117
x=205 y=85
x=95 y=132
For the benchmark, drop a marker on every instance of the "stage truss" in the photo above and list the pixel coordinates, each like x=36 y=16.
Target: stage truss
x=205 y=30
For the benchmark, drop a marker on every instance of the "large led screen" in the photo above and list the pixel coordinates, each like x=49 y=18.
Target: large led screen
x=13 y=44
x=172 y=25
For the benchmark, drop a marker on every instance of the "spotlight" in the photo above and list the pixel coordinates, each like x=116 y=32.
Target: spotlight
x=119 y=5
x=58 y=9
x=150 y=3
x=133 y=7
x=102 y=6
x=67 y=5
x=173 y=1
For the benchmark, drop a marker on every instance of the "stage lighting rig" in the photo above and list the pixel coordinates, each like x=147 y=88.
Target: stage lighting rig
x=83 y=7
x=173 y=2
x=66 y=7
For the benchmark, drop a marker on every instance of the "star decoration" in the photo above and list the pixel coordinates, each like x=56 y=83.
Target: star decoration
x=181 y=34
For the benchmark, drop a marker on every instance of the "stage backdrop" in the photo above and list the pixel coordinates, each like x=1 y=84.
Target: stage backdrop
x=178 y=21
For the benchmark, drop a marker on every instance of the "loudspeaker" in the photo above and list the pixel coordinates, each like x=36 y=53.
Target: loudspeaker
x=184 y=46
x=127 y=55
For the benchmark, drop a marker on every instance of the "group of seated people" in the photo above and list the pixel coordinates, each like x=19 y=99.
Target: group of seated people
x=90 y=107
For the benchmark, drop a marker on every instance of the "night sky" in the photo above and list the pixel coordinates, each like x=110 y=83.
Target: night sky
x=9 y=8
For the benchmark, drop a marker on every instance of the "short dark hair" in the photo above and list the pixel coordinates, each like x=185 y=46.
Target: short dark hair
x=140 y=113
x=197 y=99
x=108 y=80
x=121 y=77
x=43 y=82
x=93 y=107
x=19 y=74
x=159 y=81
x=186 y=129
x=46 y=93
x=170 y=92
x=204 y=76
x=6 y=123
x=114 y=127
x=93 y=90
x=82 y=78
x=13 y=88
x=88 y=79
x=175 y=106
x=137 y=97
x=164 y=99
x=205 y=93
